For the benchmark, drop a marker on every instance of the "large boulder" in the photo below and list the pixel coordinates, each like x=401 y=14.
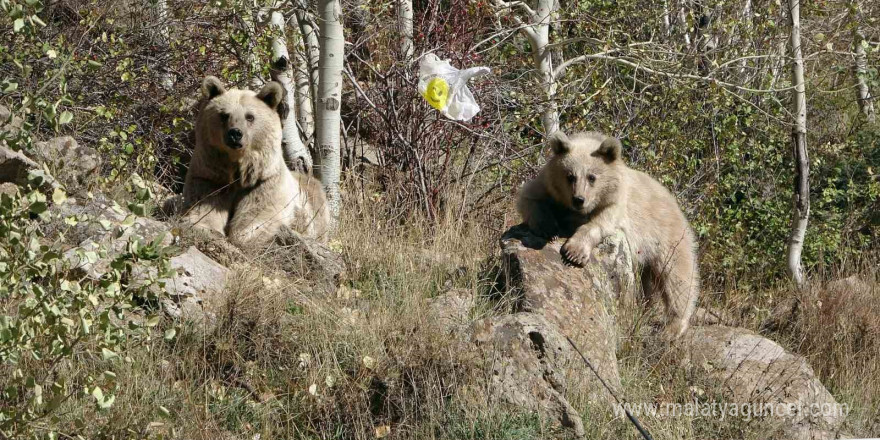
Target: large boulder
x=751 y=369
x=72 y=164
x=96 y=230
x=526 y=355
x=196 y=291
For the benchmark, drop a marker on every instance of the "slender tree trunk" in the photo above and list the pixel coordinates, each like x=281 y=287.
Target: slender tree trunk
x=667 y=23
x=860 y=71
x=296 y=156
x=539 y=38
x=405 y=23
x=801 y=205
x=166 y=78
x=312 y=47
x=329 y=100
x=304 y=96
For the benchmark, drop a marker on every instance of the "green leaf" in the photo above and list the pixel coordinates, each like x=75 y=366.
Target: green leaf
x=108 y=354
x=59 y=196
x=164 y=412
x=65 y=118
x=170 y=333
x=17 y=25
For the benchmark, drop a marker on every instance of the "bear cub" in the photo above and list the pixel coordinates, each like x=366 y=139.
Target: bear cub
x=237 y=183
x=586 y=192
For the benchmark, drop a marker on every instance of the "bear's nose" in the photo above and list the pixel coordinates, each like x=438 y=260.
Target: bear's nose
x=578 y=201
x=233 y=137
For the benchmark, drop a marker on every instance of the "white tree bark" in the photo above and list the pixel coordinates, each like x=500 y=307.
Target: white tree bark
x=801 y=205
x=296 y=156
x=537 y=31
x=166 y=78
x=405 y=23
x=860 y=67
x=329 y=100
x=304 y=96
x=312 y=47
x=860 y=71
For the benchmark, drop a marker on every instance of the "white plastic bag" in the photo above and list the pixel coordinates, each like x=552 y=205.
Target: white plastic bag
x=445 y=87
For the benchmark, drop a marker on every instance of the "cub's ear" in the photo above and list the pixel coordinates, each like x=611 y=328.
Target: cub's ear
x=559 y=143
x=212 y=87
x=276 y=98
x=609 y=150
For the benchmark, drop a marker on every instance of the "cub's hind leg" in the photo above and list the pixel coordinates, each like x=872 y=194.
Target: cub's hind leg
x=679 y=282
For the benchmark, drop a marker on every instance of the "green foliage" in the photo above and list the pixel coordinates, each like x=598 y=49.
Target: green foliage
x=53 y=322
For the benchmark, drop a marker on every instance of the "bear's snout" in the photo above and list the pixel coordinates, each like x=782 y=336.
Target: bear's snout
x=233 y=138
x=578 y=201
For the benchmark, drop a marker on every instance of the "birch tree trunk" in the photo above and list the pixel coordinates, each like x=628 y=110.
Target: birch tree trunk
x=537 y=31
x=166 y=78
x=860 y=71
x=544 y=63
x=304 y=96
x=296 y=156
x=312 y=47
x=329 y=99
x=405 y=23
x=801 y=205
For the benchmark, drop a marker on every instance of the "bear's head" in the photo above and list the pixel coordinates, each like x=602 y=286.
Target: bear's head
x=585 y=171
x=240 y=119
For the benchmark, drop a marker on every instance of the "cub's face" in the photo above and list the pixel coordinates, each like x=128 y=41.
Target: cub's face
x=584 y=172
x=240 y=119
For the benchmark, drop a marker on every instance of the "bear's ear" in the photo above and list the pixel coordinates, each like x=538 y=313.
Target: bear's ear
x=212 y=87
x=609 y=150
x=273 y=95
x=559 y=143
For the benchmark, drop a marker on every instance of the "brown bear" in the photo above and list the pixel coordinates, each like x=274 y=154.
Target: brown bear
x=237 y=183
x=586 y=192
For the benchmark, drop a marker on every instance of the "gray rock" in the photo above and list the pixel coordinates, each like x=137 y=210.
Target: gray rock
x=451 y=310
x=196 y=292
x=92 y=224
x=70 y=163
x=9 y=189
x=529 y=363
x=18 y=169
x=306 y=257
x=9 y=123
x=752 y=369
x=526 y=355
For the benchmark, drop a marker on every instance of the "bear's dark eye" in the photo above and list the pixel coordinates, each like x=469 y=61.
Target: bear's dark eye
x=249 y=117
x=572 y=178
x=591 y=178
x=224 y=117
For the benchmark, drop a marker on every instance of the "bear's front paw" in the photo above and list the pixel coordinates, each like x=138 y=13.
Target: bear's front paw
x=576 y=252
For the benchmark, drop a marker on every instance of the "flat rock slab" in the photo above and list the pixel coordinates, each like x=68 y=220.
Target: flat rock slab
x=752 y=369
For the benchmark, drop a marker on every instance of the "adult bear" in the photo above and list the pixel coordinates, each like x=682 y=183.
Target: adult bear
x=237 y=183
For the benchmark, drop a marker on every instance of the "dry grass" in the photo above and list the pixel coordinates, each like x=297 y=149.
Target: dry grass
x=285 y=360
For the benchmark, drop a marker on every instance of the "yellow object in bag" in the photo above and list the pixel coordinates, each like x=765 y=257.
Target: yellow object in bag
x=437 y=93
x=445 y=87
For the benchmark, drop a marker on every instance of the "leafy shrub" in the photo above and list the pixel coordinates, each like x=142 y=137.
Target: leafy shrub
x=57 y=329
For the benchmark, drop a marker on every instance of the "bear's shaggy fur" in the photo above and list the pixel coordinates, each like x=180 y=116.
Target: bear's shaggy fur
x=586 y=192
x=237 y=183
